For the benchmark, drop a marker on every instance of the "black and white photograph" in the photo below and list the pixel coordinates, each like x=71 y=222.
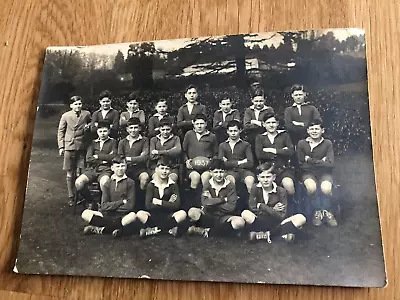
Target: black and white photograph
x=239 y=158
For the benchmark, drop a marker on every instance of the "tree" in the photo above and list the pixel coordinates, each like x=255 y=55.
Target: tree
x=119 y=66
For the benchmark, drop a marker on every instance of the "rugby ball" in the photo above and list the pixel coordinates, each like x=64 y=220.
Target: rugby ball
x=200 y=163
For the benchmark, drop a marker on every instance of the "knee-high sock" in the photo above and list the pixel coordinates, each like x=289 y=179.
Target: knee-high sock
x=70 y=186
x=85 y=192
x=315 y=201
x=283 y=229
x=325 y=202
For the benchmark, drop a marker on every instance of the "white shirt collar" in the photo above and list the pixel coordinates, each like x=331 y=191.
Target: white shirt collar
x=310 y=140
x=214 y=186
x=118 y=179
x=304 y=103
x=131 y=139
x=264 y=108
x=156 y=183
x=199 y=135
x=274 y=187
x=167 y=139
x=99 y=140
x=160 y=116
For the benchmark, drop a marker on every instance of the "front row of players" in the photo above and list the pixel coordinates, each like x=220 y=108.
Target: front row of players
x=235 y=164
x=265 y=219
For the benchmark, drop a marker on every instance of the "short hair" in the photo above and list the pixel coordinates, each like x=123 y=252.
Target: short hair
x=164 y=161
x=199 y=117
x=190 y=86
x=118 y=159
x=268 y=116
x=267 y=166
x=103 y=124
x=165 y=122
x=133 y=121
x=161 y=100
x=74 y=99
x=257 y=92
x=105 y=94
x=225 y=96
x=217 y=163
x=297 y=87
x=314 y=122
x=234 y=123
x=133 y=96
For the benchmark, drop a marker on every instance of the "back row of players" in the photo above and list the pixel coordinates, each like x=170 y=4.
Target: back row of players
x=213 y=163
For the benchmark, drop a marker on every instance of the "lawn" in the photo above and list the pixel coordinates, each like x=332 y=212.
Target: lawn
x=52 y=241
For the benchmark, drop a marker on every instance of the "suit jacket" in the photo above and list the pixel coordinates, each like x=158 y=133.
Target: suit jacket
x=71 y=130
x=112 y=117
x=184 y=119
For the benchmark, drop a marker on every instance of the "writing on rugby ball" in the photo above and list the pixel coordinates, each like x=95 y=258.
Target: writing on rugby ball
x=200 y=163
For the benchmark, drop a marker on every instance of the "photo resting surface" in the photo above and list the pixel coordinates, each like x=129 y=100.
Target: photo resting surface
x=238 y=158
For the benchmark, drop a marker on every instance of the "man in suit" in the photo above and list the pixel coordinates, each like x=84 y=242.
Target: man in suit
x=71 y=130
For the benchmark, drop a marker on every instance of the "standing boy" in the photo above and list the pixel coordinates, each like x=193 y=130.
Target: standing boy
x=316 y=159
x=99 y=159
x=118 y=202
x=266 y=216
x=154 y=121
x=132 y=111
x=222 y=116
x=135 y=149
x=188 y=110
x=106 y=113
x=71 y=132
x=299 y=114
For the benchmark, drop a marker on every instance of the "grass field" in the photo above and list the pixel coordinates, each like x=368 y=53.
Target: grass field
x=52 y=241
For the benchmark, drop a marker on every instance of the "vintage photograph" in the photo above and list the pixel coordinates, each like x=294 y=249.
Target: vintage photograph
x=239 y=158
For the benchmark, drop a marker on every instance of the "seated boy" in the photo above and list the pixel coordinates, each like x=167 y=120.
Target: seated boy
x=299 y=114
x=118 y=200
x=188 y=110
x=237 y=156
x=135 y=149
x=168 y=145
x=132 y=111
x=266 y=217
x=274 y=146
x=218 y=199
x=99 y=158
x=198 y=142
x=163 y=211
x=223 y=116
x=71 y=133
x=106 y=113
x=154 y=121
x=316 y=159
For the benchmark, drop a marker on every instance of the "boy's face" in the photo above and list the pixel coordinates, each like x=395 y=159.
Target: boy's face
x=315 y=131
x=76 y=106
x=191 y=95
x=218 y=175
x=105 y=103
x=225 y=105
x=271 y=125
x=258 y=102
x=133 y=130
x=233 y=132
x=199 y=125
x=103 y=133
x=163 y=171
x=119 y=169
x=132 y=105
x=299 y=97
x=266 y=178
x=165 y=131
x=161 y=107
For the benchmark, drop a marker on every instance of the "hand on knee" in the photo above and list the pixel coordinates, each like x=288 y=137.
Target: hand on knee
x=248 y=216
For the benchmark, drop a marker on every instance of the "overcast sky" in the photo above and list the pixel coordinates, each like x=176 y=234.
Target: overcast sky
x=170 y=45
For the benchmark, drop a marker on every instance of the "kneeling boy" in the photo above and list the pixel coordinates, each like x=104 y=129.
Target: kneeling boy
x=162 y=203
x=118 y=202
x=267 y=215
x=218 y=199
